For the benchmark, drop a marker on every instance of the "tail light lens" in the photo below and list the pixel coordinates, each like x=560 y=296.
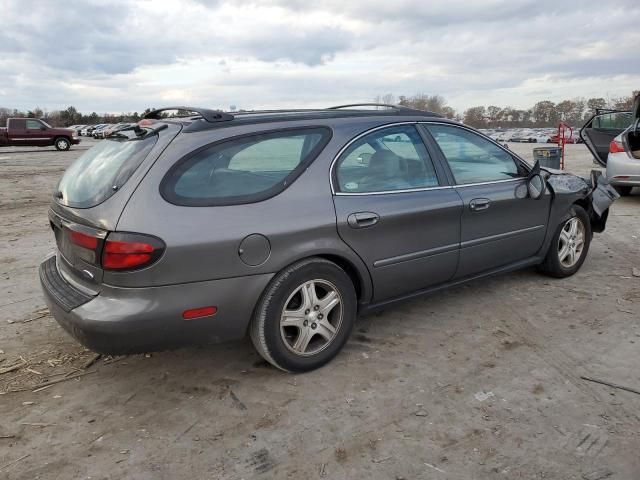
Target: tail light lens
x=83 y=240
x=118 y=251
x=130 y=251
x=616 y=146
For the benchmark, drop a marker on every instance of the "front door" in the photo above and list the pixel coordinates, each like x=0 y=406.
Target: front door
x=500 y=223
x=396 y=210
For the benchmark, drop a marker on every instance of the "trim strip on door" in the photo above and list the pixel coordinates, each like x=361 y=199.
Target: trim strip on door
x=415 y=255
x=500 y=236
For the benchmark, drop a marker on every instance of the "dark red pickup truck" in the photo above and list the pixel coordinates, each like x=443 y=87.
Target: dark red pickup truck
x=31 y=132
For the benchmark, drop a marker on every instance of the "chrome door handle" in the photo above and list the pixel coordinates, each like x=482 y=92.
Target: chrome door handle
x=362 y=219
x=478 y=204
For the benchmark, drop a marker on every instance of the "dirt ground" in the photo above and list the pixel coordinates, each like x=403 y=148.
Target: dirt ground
x=479 y=382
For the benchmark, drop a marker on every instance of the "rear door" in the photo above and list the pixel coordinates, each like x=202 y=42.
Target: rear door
x=601 y=129
x=37 y=134
x=397 y=211
x=17 y=131
x=500 y=224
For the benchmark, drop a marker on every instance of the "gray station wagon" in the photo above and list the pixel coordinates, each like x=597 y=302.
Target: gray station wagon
x=285 y=225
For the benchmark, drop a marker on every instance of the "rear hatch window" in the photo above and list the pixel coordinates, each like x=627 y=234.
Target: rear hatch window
x=102 y=170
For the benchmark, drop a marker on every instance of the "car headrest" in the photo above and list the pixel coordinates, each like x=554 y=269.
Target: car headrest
x=385 y=162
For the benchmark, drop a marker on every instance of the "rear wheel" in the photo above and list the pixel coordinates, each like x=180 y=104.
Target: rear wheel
x=305 y=316
x=569 y=246
x=62 y=143
x=623 y=190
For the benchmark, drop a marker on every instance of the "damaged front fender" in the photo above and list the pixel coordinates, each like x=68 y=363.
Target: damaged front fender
x=595 y=195
x=602 y=194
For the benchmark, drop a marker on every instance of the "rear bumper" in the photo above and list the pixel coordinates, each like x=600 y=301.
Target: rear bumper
x=135 y=320
x=623 y=170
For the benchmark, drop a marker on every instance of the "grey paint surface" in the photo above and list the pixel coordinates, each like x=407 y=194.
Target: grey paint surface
x=422 y=239
x=509 y=230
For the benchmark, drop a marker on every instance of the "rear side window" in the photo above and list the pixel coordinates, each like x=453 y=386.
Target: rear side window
x=103 y=170
x=244 y=169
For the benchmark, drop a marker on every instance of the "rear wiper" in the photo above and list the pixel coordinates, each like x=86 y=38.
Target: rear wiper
x=58 y=194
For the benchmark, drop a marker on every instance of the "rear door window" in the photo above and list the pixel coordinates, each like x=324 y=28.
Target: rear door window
x=103 y=170
x=245 y=169
x=386 y=160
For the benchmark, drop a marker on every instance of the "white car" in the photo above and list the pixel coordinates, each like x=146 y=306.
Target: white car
x=623 y=161
x=613 y=137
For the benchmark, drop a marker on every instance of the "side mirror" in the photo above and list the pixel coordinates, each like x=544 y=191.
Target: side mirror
x=536 y=186
x=43 y=127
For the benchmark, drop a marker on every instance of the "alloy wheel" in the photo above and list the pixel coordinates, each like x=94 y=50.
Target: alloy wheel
x=311 y=317
x=571 y=244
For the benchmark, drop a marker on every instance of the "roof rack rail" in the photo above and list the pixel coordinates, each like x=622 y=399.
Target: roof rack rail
x=211 y=116
x=401 y=109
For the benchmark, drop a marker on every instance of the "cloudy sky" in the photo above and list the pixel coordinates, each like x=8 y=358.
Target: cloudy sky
x=122 y=55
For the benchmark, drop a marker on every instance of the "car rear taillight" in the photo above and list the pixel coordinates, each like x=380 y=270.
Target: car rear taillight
x=129 y=251
x=83 y=240
x=616 y=146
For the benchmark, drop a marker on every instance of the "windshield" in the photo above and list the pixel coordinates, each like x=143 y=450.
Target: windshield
x=102 y=170
x=46 y=124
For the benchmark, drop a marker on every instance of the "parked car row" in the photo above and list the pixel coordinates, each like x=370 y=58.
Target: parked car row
x=101 y=130
x=528 y=135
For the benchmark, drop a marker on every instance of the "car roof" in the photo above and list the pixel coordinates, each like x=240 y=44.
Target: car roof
x=205 y=119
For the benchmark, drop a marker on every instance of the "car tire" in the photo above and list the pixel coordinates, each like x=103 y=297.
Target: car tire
x=624 y=190
x=62 y=143
x=313 y=331
x=560 y=262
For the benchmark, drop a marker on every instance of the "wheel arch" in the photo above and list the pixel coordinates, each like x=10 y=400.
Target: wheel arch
x=351 y=270
x=351 y=264
x=598 y=222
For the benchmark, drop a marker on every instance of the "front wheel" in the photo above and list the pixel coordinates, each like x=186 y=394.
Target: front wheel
x=305 y=316
x=569 y=245
x=62 y=144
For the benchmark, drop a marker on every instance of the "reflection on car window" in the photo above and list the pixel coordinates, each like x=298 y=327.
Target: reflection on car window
x=102 y=170
x=394 y=158
x=473 y=159
x=33 y=125
x=243 y=170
